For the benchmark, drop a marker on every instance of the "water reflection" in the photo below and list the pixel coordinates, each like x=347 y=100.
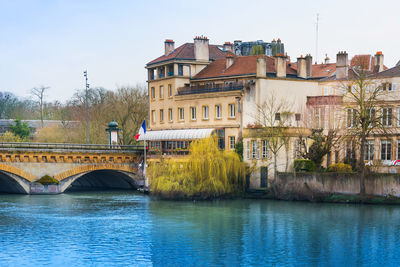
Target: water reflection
x=123 y=228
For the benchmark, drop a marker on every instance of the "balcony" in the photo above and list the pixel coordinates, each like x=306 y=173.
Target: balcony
x=214 y=88
x=171 y=73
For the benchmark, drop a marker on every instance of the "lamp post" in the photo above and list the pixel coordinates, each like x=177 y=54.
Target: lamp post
x=87 y=106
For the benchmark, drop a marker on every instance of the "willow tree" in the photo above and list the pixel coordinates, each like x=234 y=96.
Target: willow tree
x=362 y=99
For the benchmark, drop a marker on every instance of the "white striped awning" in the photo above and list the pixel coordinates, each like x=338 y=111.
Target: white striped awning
x=186 y=134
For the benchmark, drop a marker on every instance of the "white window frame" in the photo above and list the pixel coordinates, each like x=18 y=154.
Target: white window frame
x=169 y=90
x=170 y=114
x=232 y=142
x=385 y=123
x=232 y=111
x=181 y=114
x=218 y=111
x=326 y=90
x=248 y=149
x=255 y=149
x=193 y=113
x=264 y=149
x=205 y=113
x=369 y=150
x=153 y=116
x=153 y=92
x=331 y=90
x=161 y=115
x=386 y=143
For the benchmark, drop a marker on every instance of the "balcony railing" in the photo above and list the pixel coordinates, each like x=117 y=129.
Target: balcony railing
x=214 y=88
x=171 y=73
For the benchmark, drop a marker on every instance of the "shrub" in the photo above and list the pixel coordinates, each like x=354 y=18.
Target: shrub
x=340 y=167
x=46 y=180
x=304 y=165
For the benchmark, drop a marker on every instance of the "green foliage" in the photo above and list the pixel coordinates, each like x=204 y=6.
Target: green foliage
x=320 y=147
x=47 y=180
x=20 y=129
x=257 y=50
x=206 y=173
x=339 y=167
x=239 y=150
x=10 y=137
x=304 y=165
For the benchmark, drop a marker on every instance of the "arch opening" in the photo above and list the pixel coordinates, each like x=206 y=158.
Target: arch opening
x=9 y=185
x=103 y=180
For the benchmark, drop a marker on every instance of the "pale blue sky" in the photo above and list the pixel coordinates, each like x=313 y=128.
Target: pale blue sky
x=51 y=42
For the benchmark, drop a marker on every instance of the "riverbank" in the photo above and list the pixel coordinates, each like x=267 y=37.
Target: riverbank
x=323 y=197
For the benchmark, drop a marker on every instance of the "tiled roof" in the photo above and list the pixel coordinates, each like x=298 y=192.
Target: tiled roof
x=186 y=51
x=351 y=74
x=392 y=72
x=247 y=65
x=367 y=62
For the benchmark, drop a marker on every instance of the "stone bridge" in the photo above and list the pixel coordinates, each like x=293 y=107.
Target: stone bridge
x=74 y=166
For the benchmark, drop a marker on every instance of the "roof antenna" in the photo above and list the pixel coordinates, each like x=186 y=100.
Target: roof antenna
x=316 y=39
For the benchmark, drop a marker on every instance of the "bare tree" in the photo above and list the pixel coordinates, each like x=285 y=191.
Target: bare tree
x=362 y=99
x=39 y=94
x=273 y=116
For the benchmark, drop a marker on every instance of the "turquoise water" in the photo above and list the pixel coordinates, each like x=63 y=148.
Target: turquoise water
x=125 y=228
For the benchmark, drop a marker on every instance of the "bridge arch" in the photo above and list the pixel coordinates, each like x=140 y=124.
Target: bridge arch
x=14 y=180
x=99 y=177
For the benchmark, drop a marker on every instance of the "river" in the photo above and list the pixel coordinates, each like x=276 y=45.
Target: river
x=124 y=228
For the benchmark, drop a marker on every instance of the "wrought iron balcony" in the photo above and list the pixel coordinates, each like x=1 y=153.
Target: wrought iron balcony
x=214 y=88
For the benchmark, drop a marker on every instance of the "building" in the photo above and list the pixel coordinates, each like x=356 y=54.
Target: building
x=269 y=49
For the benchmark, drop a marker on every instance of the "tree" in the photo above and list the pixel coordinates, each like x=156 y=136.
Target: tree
x=21 y=129
x=362 y=119
x=273 y=115
x=38 y=92
x=321 y=146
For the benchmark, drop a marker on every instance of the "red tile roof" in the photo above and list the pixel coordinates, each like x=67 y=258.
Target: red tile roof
x=247 y=65
x=366 y=62
x=186 y=51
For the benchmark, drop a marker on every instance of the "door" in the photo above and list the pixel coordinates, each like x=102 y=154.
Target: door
x=263 y=177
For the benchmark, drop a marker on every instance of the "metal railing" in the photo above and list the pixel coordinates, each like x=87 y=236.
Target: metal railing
x=66 y=146
x=202 y=89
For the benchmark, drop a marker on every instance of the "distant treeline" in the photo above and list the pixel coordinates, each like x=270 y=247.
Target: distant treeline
x=127 y=105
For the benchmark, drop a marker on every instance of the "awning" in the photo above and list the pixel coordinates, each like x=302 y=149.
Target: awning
x=186 y=134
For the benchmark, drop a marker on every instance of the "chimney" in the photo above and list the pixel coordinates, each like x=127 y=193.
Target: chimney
x=308 y=65
x=201 y=52
x=261 y=67
x=342 y=65
x=327 y=59
x=228 y=46
x=301 y=67
x=378 y=61
x=229 y=61
x=280 y=65
x=169 y=46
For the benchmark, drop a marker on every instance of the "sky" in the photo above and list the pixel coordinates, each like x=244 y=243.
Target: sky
x=51 y=42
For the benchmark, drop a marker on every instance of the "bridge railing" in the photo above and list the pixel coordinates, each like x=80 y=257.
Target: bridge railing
x=66 y=146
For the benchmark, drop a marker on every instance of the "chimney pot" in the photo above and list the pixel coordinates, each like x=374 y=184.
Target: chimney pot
x=169 y=46
x=342 y=65
x=378 y=61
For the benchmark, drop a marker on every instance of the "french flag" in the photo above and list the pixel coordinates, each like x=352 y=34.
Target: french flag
x=142 y=131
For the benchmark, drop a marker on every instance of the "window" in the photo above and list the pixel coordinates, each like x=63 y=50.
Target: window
x=367 y=88
x=319 y=117
x=161 y=91
x=354 y=88
x=153 y=92
x=398 y=149
x=247 y=149
x=371 y=113
x=351 y=117
x=372 y=87
x=193 y=113
x=231 y=142
x=218 y=111
x=369 y=150
x=331 y=90
x=386 y=150
x=387 y=116
x=169 y=90
x=232 y=113
x=297 y=116
x=170 y=114
x=205 y=112
x=326 y=90
x=153 y=116
x=264 y=149
x=297 y=149
x=350 y=149
x=394 y=87
x=161 y=115
x=255 y=149
x=180 y=69
x=277 y=116
x=181 y=114
x=389 y=87
x=398 y=116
